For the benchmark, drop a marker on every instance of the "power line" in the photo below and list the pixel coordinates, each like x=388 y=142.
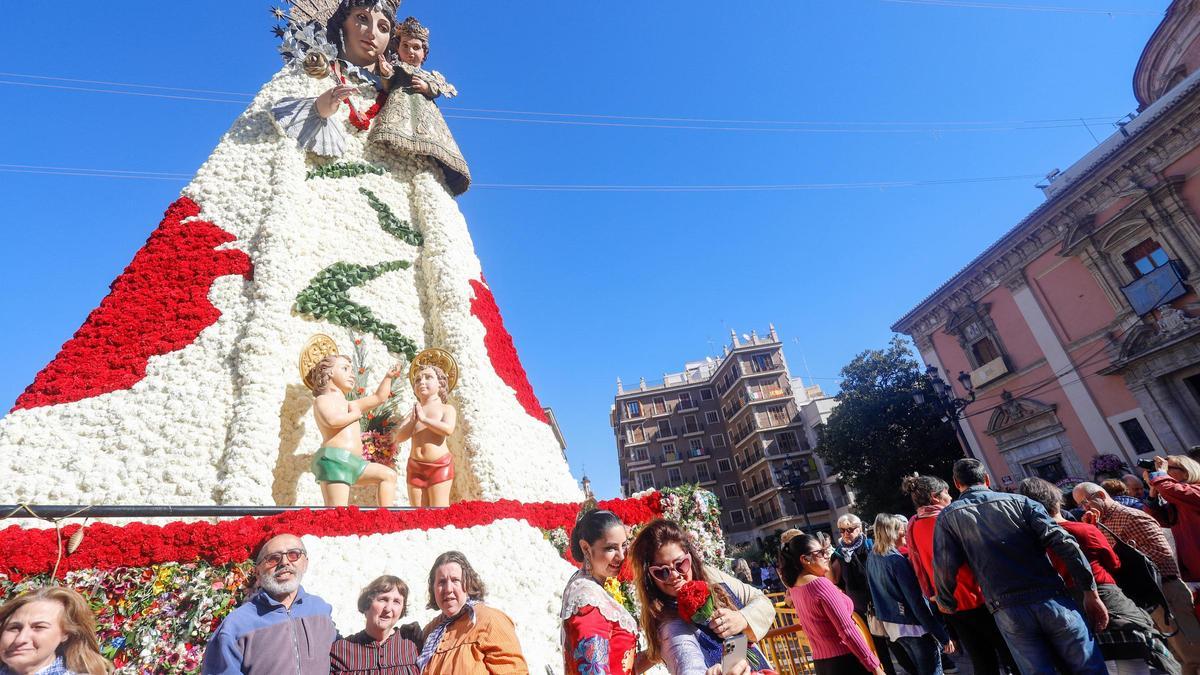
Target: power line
x=116 y=91
x=126 y=84
x=1026 y=8
x=598 y=119
x=182 y=177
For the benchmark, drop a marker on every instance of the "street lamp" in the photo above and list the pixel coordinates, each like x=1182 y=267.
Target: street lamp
x=944 y=400
x=793 y=475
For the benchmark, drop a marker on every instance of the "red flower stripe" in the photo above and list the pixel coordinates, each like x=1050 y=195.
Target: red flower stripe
x=158 y=305
x=106 y=547
x=502 y=352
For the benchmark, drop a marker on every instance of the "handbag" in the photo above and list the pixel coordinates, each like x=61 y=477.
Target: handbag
x=1138 y=577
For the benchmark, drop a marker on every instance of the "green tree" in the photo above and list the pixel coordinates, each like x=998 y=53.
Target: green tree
x=878 y=434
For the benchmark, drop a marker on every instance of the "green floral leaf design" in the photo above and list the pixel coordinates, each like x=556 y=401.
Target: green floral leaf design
x=399 y=229
x=344 y=170
x=326 y=298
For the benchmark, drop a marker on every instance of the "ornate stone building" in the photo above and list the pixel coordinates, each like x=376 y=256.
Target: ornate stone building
x=1080 y=327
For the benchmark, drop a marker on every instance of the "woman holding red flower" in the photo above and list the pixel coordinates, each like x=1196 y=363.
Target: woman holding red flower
x=689 y=608
x=599 y=636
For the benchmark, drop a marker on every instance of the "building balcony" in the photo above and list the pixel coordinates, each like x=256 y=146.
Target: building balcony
x=668 y=437
x=762 y=490
x=635 y=460
x=693 y=430
x=687 y=406
x=994 y=369
x=1160 y=286
x=698 y=453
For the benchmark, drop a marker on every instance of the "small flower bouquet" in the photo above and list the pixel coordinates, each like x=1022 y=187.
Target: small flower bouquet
x=1108 y=465
x=696 y=603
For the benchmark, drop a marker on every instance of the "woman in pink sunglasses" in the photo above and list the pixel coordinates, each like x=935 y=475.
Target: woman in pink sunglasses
x=664 y=559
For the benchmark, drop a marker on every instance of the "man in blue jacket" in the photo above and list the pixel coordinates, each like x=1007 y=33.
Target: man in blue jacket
x=280 y=629
x=1004 y=538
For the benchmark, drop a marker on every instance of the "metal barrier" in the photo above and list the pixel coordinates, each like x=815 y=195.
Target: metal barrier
x=785 y=645
x=57 y=511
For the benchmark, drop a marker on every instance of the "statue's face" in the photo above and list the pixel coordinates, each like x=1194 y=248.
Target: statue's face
x=342 y=375
x=427 y=383
x=411 y=51
x=365 y=35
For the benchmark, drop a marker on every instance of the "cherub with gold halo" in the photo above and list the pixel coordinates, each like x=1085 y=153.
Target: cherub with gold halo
x=339 y=464
x=433 y=374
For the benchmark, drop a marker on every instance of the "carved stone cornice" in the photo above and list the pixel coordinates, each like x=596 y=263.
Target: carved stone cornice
x=1164 y=140
x=1165 y=51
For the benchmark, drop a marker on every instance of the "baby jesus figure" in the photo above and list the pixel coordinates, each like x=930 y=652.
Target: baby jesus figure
x=410 y=44
x=410 y=122
x=430 y=464
x=339 y=464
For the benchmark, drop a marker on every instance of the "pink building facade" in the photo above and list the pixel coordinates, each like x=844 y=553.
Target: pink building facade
x=1080 y=327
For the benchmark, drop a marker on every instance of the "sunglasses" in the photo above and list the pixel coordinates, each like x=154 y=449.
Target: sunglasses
x=664 y=573
x=292 y=556
x=819 y=553
x=845 y=530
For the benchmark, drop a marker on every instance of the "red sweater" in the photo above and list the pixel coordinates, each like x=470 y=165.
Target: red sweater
x=920 y=553
x=1186 y=498
x=1095 y=548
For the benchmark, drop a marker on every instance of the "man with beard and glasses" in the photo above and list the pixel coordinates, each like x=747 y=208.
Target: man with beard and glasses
x=280 y=628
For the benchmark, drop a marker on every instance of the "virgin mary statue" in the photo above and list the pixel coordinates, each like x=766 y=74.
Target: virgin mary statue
x=326 y=209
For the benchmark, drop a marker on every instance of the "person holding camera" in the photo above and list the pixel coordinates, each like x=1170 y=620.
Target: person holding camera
x=1177 y=480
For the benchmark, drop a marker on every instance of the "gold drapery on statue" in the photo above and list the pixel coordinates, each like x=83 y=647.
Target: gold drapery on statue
x=411 y=124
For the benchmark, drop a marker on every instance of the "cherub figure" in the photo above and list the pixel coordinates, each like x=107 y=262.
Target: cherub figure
x=339 y=464
x=410 y=44
x=431 y=421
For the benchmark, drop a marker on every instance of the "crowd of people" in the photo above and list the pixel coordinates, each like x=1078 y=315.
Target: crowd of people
x=1019 y=581
x=1032 y=581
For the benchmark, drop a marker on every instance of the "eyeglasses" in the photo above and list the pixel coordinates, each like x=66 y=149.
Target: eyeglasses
x=847 y=530
x=292 y=556
x=823 y=553
x=682 y=566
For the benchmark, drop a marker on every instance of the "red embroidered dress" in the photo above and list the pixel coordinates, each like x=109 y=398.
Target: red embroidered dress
x=599 y=637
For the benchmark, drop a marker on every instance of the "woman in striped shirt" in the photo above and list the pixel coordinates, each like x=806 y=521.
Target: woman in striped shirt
x=826 y=614
x=382 y=647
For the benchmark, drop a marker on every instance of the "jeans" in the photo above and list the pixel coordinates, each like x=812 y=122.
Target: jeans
x=977 y=635
x=925 y=653
x=1041 y=633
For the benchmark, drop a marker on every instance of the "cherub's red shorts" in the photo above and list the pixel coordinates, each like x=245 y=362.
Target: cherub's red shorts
x=424 y=474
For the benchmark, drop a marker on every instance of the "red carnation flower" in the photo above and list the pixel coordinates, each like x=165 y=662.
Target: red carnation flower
x=695 y=602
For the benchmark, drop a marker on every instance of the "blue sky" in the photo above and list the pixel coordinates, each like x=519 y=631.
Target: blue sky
x=600 y=285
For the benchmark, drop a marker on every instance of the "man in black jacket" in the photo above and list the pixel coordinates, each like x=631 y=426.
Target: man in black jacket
x=1004 y=538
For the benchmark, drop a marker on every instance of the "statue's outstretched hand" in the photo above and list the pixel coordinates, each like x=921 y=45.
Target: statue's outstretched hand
x=328 y=103
x=395 y=371
x=384 y=68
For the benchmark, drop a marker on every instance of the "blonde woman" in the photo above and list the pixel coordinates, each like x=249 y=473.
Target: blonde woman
x=899 y=603
x=49 y=630
x=1177 y=480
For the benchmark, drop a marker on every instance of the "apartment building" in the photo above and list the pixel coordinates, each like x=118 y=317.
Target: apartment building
x=735 y=425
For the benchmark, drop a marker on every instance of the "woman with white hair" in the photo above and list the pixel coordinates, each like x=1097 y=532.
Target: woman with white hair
x=899 y=603
x=848 y=570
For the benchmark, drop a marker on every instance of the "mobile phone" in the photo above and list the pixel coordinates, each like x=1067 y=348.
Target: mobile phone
x=733 y=650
